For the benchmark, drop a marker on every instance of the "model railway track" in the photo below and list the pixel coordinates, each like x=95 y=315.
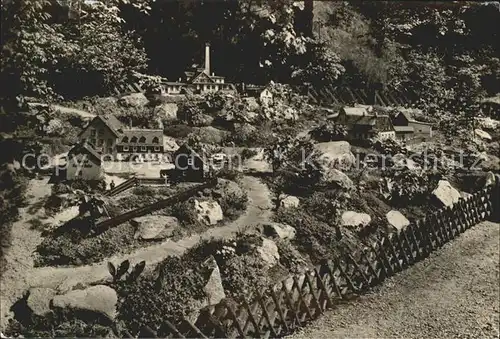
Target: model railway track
x=141 y=211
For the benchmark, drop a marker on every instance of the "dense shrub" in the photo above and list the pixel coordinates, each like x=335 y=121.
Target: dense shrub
x=314 y=237
x=233 y=204
x=178 y=131
x=185 y=213
x=169 y=292
x=248 y=153
x=329 y=131
x=72 y=246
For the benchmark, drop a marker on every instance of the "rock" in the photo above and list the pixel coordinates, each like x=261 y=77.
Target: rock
x=282 y=231
x=154 y=227
x=213 y=288
x=167 y=111
x=100 y=299
x=446 y=194
x=465 y=195
x=488 y=123
x=133 y=100
x=107 y=101
x=244 y=129
x=334 y=154
x=268 y=252
x=39 y=300
x=490 y=179
x=251 y=104
x=208 y=212
x=202 y=120
x=210 y=135
x=332 y=175
x=397 y=220
x=355 y=219
x=288 y=201
x=482 y=134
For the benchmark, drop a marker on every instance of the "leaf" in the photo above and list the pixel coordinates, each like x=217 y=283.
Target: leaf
x=136 y=271
x=124 y=266
x=159 y=280
x=111 y=269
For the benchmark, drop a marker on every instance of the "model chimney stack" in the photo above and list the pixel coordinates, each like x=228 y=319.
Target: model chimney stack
x=207 y=58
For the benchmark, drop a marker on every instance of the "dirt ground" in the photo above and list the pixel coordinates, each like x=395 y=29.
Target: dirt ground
x=452 y=294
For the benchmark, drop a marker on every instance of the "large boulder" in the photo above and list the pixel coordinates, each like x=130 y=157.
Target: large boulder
x=332 y=175
x=282 y=231
x=168 y=111
x=39 y=299
x=446 y=194
x=154 y=227
x=100 y=299
x=334 y=154
x=208 y=212
x=355 y=219
x=490 y=179
x=268 y=252
x=133 y=100
x=213 y=288
x=397 y=220
x=289 y=201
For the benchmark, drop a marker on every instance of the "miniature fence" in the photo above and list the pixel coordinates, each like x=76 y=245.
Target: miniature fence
x=302 y=298
x=139 y=212
x=132 y=182
x=348 y=96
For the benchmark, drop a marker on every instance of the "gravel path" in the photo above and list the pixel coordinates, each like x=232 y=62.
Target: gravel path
x=452 y=294
x=63 y=278
x=24 y=240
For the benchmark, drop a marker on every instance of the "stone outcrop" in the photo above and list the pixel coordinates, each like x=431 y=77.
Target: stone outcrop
x=154 y=227
x=39 y=299
x=355 y=219
x=334 y=154
x=482 y=134
x=100 y=299
x=268 y=252
x=213 y=288
x=397 y=220
x=168 y=111
x=133 y=100
x=208 y=212
x=289 y=201
x=446 y=194
x=281 y=231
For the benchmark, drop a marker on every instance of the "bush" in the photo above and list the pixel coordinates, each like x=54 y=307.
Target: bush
x=233 y=204
x=178 y=131
x=169 y=292
x=71 y=245
x=185 y=213
x=313 y=237
x=144 y=190
x=248 y=153
x=329 y=132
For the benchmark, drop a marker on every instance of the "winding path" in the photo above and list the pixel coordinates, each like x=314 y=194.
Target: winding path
x=64 y=278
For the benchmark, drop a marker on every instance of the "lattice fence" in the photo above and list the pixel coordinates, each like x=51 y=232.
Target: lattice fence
x=302 y=298
x=347 y=96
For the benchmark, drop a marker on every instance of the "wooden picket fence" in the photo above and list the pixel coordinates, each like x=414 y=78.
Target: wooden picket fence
x=301 y=298
x=333 y=95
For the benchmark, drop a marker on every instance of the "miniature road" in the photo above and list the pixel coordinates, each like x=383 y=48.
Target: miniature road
x=452 y=294
x=63 y=278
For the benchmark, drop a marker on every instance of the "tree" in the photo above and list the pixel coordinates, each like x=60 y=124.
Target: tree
x=49 y=50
